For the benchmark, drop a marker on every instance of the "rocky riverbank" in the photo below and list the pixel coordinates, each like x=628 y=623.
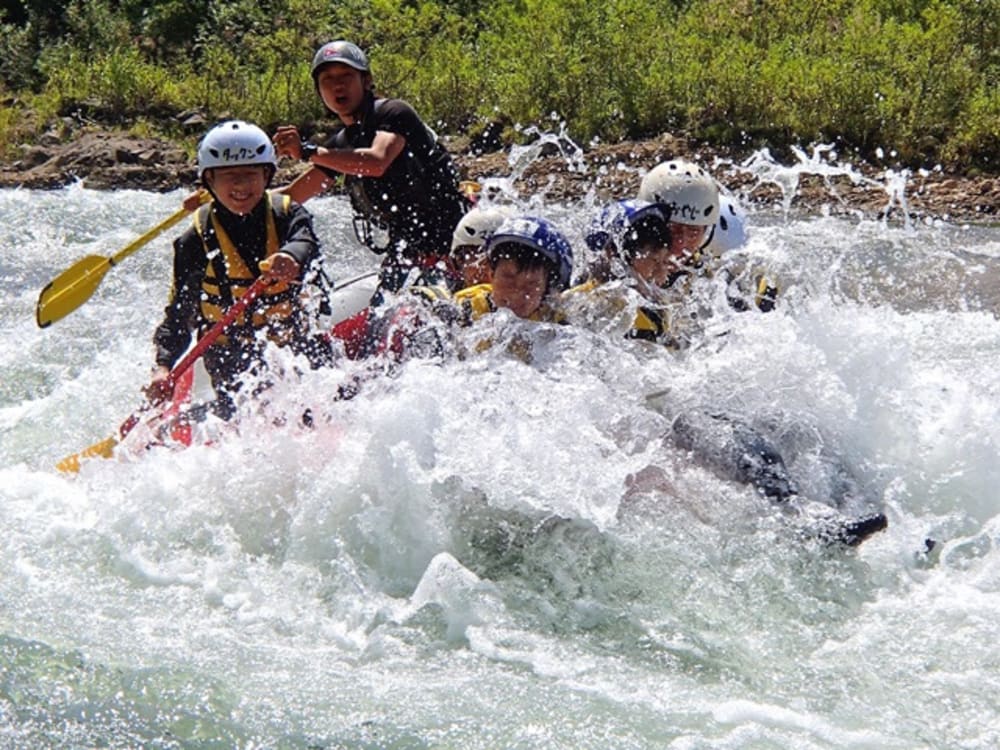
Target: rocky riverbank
x=109 y=160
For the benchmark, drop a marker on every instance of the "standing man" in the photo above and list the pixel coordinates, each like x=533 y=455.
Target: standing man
x=402 y=183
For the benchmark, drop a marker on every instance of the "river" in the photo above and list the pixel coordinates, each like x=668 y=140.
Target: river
x=449 y=560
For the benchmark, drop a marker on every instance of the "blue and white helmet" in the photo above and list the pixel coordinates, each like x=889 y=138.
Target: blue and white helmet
x=542 y=236
x=614 y=221
x=731 y=227
x=235 y=144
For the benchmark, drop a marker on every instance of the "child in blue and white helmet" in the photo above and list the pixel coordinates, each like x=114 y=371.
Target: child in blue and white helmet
x=630 y=237
x=531 y=262
x=631 y=240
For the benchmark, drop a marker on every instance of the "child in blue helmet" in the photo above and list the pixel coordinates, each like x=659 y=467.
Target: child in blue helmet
x=630 y=241
x=531 y=263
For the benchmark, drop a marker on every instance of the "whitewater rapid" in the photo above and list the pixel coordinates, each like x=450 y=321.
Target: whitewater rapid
x=487 y=554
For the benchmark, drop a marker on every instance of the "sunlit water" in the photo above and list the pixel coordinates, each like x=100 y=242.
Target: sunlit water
x=449 y=561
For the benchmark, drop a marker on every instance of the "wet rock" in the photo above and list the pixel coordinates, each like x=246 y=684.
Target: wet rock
x=115 y=160
x=33 y=156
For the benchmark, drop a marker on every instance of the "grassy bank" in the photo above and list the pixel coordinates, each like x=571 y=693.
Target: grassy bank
x=918 y=78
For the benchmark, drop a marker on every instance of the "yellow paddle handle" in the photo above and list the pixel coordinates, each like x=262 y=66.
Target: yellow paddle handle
x=159 y=229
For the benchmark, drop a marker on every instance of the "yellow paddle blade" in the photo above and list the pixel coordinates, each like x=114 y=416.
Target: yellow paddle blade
x=73 y=287
x=70 y=289
x=103 y=449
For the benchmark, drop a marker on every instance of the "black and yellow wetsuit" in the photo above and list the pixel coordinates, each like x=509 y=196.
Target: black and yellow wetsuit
x=215 y=262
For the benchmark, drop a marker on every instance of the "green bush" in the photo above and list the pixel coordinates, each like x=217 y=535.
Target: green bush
x=118 y=83
x=918 y=77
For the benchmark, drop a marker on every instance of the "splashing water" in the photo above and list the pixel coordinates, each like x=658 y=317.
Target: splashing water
x=484 y=554
x=766 y=170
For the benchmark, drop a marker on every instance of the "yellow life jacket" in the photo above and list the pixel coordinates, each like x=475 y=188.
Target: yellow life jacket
x=475 y=301
x=649 y=324
x=227 y=276
x=766 y=294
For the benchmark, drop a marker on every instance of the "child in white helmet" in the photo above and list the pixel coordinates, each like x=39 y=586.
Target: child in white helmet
x=243 y=232
x=468 y=243
x=700 y=231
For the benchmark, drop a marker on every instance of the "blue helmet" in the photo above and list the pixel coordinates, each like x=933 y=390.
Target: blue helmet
x=541 y=236
x=614 y=221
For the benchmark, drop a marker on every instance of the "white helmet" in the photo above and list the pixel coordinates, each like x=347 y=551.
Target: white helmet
x=687 y=190
x=235 y=144
x=476 y=226
x=731 y=228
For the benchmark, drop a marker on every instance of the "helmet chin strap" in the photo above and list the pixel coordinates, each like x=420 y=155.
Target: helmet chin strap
x=709 y=235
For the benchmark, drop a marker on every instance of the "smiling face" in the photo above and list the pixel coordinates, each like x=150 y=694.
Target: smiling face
x=342 y=89
x=521 y=290
x=239 y=189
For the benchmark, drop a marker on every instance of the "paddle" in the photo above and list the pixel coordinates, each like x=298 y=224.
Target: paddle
x=105 y=448
x=76 y=284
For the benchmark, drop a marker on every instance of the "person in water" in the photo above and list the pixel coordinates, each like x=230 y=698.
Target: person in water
x=244 y=229
x=691 y=199
x=403 y=186
x=640 y=253
x=468 y=243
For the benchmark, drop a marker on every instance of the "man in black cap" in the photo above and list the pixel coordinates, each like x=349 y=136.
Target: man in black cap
x=402 y=183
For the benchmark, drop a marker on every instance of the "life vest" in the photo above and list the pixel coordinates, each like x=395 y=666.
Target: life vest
x=227 y=278
x=475 y=301
x=766 y=294
x=650 y=325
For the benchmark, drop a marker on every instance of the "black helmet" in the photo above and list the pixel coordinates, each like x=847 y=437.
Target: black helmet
x=340 y=52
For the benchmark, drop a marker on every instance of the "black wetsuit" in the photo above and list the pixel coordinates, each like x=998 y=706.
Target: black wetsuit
x=183 y=316
x=416 y=201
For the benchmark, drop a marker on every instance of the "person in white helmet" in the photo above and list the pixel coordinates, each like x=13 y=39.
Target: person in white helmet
x=245 y=231
x=700 y=232
x=403 y=185
x=728 y=444
x=468 y=243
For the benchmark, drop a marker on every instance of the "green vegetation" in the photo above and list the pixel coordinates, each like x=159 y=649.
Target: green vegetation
x=917 y=77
